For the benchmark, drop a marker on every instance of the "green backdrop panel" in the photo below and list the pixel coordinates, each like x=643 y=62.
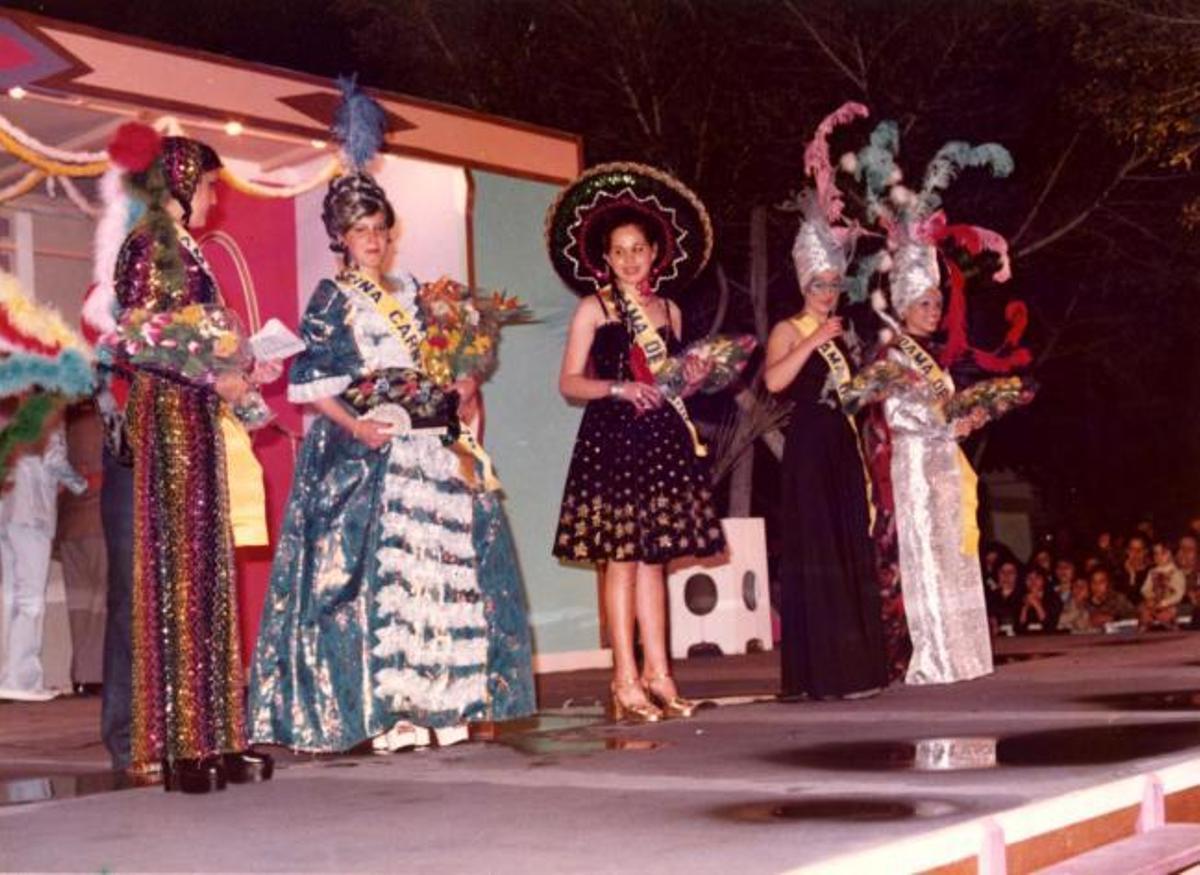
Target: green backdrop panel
x=530 y=428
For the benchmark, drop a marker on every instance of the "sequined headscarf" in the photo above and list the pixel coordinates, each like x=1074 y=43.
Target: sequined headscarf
x=184 y=162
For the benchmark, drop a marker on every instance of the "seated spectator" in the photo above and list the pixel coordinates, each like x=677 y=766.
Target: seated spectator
x=1004 y=604
x=1076 y=616
x=1064 y=578
x=1162 y=591
x=1186 y=558
x=1043 y=559
x=1107 y=550
x=1133 y=572
x=1105 y=605
x=1041 y=607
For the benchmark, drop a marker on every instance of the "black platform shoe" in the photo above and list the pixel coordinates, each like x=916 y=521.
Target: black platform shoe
x=194 y=775
x=248 y=766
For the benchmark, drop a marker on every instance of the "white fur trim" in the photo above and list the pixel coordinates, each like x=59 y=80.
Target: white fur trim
x=315 y=390
x=408 y=690
x=442 y=651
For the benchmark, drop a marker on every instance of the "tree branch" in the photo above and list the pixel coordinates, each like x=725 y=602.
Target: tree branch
x=825 y=47
x=1069 y=226
x=1046 y=189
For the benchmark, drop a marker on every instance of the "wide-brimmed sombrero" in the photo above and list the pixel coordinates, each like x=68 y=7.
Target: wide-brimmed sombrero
x=576 y=222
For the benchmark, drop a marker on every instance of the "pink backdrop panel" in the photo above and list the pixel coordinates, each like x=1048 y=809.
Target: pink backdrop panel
x=251 y=245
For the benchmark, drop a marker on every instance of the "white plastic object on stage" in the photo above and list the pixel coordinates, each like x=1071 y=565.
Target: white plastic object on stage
x=723 y=601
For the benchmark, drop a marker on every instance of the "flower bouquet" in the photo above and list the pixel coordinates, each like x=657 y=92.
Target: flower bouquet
x=994 y=397
x=462 y=328
x=874 y=383
x=407 y=400
x=724 y=358
x=197 y=344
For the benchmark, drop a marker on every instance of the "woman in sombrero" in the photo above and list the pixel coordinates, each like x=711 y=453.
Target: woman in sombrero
x=637 y=493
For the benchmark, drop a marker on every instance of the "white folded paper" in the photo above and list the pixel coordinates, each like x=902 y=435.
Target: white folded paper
x=275 y=341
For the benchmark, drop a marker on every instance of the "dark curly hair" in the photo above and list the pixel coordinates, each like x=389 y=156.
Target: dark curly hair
x=351 y=197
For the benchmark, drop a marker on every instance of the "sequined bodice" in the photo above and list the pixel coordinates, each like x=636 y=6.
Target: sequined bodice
x=140 y=281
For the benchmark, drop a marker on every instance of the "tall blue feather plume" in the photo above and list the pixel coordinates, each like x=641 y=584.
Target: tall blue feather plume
x=955 y=156
x=876 y=162
x=358 y=124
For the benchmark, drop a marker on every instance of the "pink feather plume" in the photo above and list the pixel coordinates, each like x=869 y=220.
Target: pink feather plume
x=817 y=163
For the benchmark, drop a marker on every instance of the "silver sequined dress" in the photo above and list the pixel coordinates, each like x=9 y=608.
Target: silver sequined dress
x=941 y=581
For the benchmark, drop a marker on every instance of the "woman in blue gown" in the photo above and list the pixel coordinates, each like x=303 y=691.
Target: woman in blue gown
x=395 y=604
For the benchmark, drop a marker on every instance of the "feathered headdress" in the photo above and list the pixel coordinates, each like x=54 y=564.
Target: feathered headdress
x=39 y=353
x=917 y=227
x=359 y=124
x=825 y=240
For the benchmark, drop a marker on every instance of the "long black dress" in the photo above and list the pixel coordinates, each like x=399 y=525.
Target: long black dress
x=830 y=607
x=636 y=490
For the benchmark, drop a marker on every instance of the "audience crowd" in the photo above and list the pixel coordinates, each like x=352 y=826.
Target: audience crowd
x=1142 y=580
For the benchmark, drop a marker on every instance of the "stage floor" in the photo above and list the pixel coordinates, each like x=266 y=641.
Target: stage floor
x=749 y=786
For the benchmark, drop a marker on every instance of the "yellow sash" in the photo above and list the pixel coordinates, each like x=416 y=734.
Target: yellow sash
x=943 y=388
x=805 y=325
x=247 y=494
x=655 y=349
x=927 y=367
x=406 y=328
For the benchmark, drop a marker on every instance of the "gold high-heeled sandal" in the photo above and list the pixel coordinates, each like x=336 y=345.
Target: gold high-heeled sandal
x=672 y=707
x=634 y=712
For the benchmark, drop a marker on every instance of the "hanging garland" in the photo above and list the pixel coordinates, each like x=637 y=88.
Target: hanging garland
x=257 y=189
x=24 y=185
x=49 y=152
x=76 y=197
x=47 y=161
x=51 y=166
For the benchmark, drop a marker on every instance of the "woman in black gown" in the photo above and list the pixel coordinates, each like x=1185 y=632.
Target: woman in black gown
x=830 y=613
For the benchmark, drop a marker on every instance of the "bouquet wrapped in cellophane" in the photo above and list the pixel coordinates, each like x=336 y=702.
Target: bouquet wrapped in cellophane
x=874 y=383
x=197 y=344
x=406 y=399
x=723 y=357
x=462 y=328
x=995 y=397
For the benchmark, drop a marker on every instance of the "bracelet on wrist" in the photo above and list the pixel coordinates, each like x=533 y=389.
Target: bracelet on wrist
x=614 y=389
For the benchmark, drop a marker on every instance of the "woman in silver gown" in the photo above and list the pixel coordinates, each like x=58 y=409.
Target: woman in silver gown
x=935 y=492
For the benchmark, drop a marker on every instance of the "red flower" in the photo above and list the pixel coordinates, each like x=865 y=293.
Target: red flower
x=640 y=367
x=438 y=341
x=135 y=146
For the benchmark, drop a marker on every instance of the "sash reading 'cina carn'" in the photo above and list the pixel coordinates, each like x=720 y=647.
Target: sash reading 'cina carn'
x=655 y=349
x=409 y=332
x=943 y=388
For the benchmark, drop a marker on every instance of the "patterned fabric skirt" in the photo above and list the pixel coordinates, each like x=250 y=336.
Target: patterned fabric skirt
x=374 y=614
x=510 y=689
x=636 y=490
x=431 y=639
x=187 y=668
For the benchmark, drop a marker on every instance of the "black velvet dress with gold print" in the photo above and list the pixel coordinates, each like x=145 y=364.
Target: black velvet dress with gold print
x=636 y=490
